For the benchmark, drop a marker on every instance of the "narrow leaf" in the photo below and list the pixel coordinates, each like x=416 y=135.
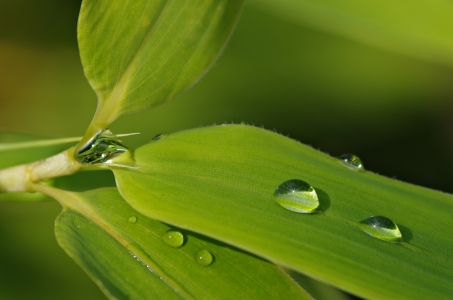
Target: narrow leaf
x=123 y=251
x=220 y=181
x=137 y=54
x=420 y=29
x=16 y=149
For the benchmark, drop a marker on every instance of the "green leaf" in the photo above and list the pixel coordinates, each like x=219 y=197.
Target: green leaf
x=420 y=29
x=129 y=260
x=137 y=54
x=219 y=182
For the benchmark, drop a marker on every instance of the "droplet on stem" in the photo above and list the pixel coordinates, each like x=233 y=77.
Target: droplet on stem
x=102 y=148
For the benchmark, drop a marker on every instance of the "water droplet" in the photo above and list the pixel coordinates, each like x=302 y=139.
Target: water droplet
x=204 y=258
x=158 y=137
x=352 y=162
x=173 y=238
x=102 y=148
x=381 y=228
x=132 y=219
x=297 y=195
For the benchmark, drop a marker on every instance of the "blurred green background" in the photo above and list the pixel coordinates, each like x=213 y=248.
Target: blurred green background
x=314 y=85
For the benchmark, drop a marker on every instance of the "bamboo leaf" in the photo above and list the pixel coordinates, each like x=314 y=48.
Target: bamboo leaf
x=137 y=54
x=420 y=29
x=219 y=182
x=125 y=255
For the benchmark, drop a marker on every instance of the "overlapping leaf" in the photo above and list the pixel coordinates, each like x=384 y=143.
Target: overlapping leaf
x=219 y=182
x=129 y=260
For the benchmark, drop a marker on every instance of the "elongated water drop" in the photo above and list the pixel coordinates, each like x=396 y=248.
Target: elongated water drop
x=173 y=238
x=297 y=195
x=352 y=162
x=381 y=228
x=102 y=148
x=204 y=258
x=132 y=219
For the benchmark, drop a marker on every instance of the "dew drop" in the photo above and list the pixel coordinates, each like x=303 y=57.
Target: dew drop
x=297 y=195
x=132 y=219
x=173 y=238
x=204 y=258
x=101 y=148
x=381 y=228
x=352 y=162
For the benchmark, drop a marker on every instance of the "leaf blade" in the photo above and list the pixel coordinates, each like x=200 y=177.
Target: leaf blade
x=139 y=54
x=219 y=181
x=95 y=231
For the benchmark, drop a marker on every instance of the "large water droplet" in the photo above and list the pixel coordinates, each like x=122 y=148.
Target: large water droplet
x=132 y=219
x=204 y=258
x=297 y=195
x=381 y=228
x=173 y=238
x=352 y=162
x=102 y=148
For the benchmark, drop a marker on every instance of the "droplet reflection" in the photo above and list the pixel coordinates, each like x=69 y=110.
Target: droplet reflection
x=204 y=258
x=352 y=162
x=381 y=228
x=297 y=195
x=173 y=238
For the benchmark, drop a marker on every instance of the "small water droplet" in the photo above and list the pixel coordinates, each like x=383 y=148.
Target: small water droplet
x=297 y=195
x=173 y=238
x=158 y=137
x=204 y=258
x=132 y=219
x=381 y=228
x=352 y=162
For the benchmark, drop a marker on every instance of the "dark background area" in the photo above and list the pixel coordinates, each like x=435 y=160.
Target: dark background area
x=335 y=94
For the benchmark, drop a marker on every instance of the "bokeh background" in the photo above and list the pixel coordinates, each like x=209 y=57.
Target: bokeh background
x=328 y=90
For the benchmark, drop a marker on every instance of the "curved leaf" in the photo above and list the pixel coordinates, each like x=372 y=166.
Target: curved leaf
x=129 y=259
x=138 y=54
x=219 y=182
x=420 y=29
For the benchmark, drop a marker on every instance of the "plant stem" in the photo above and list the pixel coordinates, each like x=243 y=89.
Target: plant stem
x=20 y=178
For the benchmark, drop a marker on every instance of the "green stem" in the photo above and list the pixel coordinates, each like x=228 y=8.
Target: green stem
x=21 y=178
